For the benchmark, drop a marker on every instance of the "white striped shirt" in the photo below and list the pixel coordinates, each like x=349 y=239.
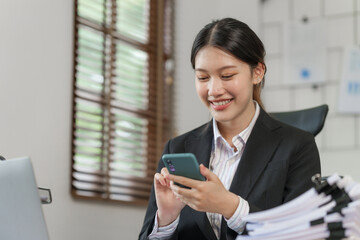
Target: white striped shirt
x=223 y=162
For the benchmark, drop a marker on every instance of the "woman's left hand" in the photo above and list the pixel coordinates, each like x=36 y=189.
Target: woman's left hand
x=205 y=196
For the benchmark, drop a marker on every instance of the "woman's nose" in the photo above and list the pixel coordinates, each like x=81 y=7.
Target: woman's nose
x=215 y=87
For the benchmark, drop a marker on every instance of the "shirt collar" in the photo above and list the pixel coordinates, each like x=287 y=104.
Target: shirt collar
x=244 y=135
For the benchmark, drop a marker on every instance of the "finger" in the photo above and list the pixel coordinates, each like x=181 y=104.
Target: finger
x=177 y=195
x=160 y=178
x=206 y=172
x=185 y=195
x=181 y=191
x=191 y=183
x=165 y=173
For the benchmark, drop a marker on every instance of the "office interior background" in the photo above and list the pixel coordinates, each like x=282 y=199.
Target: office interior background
x=36 y=47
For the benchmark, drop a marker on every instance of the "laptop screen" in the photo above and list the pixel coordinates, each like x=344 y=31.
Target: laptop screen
x=21 y=215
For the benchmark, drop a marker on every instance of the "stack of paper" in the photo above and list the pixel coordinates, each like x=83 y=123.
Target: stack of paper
x=330 y=210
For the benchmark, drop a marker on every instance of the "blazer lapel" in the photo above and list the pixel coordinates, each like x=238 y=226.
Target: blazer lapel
x=258 y=151
x=200 y=144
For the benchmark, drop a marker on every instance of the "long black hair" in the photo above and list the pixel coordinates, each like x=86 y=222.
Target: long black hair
x=235 y=38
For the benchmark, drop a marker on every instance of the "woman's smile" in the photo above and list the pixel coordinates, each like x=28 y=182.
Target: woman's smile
x=220 y=105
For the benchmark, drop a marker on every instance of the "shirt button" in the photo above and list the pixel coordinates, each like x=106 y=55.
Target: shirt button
x=217 y=222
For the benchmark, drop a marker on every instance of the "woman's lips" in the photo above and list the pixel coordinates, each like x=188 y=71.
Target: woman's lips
x=221 y=104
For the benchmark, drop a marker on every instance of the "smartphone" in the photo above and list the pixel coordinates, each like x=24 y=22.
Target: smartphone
x=183 y=164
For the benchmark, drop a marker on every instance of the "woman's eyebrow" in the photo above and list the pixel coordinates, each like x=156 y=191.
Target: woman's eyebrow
x=220 y=69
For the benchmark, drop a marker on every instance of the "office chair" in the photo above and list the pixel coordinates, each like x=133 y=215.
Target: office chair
x=310 y=119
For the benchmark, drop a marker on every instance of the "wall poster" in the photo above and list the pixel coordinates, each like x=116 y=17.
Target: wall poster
x=304 y=52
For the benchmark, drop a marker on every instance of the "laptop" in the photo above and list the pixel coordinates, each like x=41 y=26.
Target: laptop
x=21 y=215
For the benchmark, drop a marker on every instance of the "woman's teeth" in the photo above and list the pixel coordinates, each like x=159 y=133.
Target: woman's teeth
x=221 y=103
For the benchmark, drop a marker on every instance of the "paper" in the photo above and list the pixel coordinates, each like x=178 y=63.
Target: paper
x=304 y=52
x=329 y=210
x=349 y=98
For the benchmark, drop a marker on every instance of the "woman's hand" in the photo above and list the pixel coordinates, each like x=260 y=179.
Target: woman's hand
x=169 y=206
x=205 y=196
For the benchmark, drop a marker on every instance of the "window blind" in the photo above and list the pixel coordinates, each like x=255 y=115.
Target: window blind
x=121 y=96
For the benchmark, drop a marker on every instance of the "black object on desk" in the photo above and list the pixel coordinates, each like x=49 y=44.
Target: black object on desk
x=311 y=119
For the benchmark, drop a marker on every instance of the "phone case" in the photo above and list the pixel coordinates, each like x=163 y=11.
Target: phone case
x=183 y=164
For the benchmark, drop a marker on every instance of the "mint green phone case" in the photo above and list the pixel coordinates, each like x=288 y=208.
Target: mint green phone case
x=183 y=164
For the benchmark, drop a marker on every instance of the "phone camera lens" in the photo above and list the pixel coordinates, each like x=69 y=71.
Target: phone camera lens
x=171 y=166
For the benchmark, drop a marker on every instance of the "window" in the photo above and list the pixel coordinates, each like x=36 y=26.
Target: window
x=121 y=96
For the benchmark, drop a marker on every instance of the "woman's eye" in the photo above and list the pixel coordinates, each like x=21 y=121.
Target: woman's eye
x=202 y=78
x=227 y=76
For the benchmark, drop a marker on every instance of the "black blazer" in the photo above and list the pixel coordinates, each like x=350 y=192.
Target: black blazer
x=276 y=166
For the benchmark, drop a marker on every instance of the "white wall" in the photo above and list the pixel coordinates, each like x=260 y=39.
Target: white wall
x=339 y=141
x=35 y=103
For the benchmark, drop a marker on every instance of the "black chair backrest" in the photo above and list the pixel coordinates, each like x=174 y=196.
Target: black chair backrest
x=310 y=119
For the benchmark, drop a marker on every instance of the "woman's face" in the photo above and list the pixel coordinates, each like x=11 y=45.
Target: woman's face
x=225 y=85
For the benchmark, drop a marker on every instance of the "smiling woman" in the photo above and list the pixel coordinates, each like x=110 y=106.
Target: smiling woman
x=236 y=150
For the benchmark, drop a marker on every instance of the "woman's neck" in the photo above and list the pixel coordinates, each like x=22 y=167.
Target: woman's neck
x=232 y=128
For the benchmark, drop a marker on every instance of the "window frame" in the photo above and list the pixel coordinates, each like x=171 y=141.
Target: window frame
x=159 y=111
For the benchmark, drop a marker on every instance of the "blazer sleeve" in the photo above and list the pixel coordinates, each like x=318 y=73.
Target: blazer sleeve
x=297 y=159
x=149 y=219
x=303 y=165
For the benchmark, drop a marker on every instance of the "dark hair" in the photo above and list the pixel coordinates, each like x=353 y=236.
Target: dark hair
x=236 y=38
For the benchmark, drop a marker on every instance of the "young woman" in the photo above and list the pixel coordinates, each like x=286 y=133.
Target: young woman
x=251 y=161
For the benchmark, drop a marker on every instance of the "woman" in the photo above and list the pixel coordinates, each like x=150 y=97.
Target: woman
x=251 y=161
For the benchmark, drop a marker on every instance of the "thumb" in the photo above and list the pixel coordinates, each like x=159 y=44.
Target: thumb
x=206 y=172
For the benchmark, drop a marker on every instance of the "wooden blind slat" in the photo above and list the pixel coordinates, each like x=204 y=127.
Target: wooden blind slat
x=133 y=19
x=91 y=10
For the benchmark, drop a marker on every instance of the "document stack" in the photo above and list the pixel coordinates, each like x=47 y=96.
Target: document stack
x=330 y=210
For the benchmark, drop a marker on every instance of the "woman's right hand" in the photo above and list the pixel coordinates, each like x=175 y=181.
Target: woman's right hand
x=169 y=206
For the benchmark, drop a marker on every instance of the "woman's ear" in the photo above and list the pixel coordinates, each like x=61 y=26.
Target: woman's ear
x=258 y=73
